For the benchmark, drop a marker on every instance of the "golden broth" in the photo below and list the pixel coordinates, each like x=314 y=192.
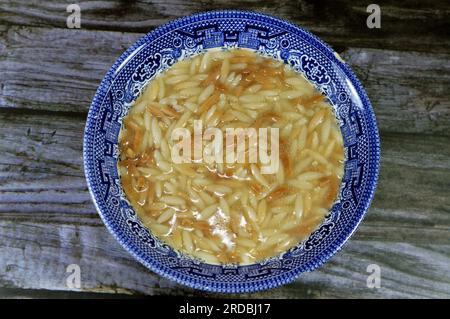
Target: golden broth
x=231 y=213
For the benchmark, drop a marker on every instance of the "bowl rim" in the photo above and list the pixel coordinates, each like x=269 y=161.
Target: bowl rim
x=284 y=277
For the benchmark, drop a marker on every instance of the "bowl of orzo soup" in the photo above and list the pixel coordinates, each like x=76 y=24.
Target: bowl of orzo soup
x=231 y=151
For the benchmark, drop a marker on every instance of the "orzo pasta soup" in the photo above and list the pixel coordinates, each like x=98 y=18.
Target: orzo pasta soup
x=233 y=210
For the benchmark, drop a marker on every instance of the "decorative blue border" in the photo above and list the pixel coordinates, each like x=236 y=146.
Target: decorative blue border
x=269 y=36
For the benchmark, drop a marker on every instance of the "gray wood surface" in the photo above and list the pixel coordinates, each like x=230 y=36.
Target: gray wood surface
x=48 y=75
x=411 y=24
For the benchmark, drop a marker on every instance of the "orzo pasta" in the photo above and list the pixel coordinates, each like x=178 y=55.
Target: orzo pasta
x=231 y=212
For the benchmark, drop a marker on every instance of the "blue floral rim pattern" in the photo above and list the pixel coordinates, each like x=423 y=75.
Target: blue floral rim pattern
x=268 y=36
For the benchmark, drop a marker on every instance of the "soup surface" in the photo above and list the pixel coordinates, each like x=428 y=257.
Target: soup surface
x=231 y=211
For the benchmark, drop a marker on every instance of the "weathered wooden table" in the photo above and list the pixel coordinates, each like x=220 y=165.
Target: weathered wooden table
x=48 y=76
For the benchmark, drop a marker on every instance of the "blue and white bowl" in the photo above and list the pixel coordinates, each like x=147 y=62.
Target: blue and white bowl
x=269 y=36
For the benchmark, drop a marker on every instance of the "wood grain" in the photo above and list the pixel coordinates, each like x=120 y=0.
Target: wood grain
x=416 y=270
x=47 y=221
x=56 y=69
x=408 y=90
x=41 y=167
x=35 y=180
x=49 y=74
x=411 y=24
x=60 y=69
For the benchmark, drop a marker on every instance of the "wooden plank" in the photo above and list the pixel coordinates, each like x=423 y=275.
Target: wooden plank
x=41 y=167
x=56 y=69
x=103 y=262
x=37 y=183
x=36 y=256
x=408 y=90
x=50 y=73
x=405 y=24
x=403 y=86
x=47 y=221
x=411 y=202
x=18 y=293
